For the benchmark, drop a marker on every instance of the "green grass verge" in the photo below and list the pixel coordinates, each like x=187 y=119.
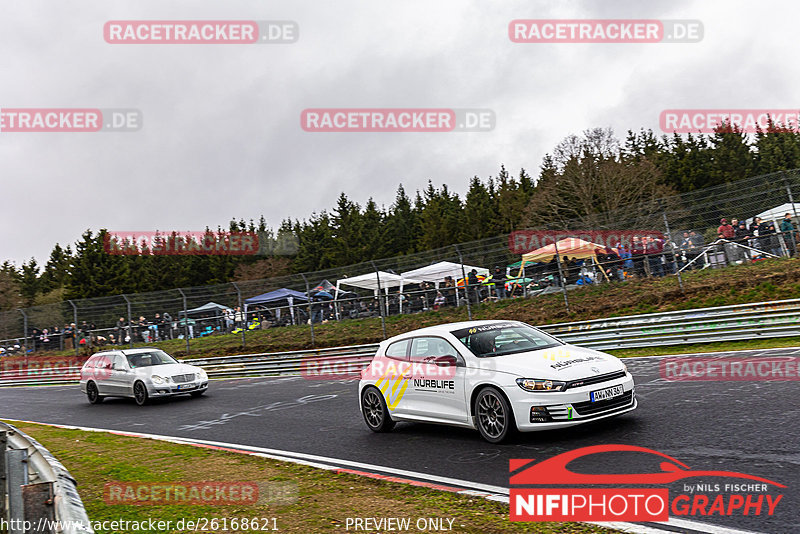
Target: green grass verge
x=319 y=501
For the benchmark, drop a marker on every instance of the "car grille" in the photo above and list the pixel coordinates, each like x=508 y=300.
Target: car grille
x=591 y=408
x=181 y=379
x=594 y=380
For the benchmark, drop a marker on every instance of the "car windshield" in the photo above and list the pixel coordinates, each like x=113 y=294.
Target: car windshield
x=486 y=341
x=149 y=359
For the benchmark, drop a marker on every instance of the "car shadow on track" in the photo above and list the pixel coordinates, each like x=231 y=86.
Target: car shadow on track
x=614 y=429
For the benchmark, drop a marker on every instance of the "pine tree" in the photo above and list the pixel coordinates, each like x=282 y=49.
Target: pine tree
x=29 y=282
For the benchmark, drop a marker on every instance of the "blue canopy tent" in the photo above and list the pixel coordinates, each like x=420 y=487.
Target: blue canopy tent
x=279 y=297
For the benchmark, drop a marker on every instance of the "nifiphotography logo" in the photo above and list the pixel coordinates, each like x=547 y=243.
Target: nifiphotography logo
x=634 y=496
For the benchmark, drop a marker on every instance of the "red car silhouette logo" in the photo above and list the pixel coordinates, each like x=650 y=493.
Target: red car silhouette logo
x=554 y=470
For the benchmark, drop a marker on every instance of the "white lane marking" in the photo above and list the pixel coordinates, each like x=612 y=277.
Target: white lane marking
x=495 y=493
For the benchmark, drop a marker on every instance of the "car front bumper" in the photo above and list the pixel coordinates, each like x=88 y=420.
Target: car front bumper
x=168 y=390
x=545 y=411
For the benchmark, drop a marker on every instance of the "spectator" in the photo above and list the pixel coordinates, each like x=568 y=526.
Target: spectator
x=755 y=242
x=227 y=315
x=787 y=229
x=774 y=240
x=653 y=249
x=449 y=291
x=637 y=254
x=474 y=285
x=696 y=249
x=438 y=302
x=765 y=234
x=742 y=236
x=725 y=231
x=238 y=317
x=499 y=281
x=627 y=262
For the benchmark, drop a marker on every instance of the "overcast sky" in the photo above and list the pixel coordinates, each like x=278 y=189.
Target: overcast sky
x=222 y=135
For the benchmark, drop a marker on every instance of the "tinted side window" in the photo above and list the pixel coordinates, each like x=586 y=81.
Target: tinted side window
x=431 y=347
x=397 y=350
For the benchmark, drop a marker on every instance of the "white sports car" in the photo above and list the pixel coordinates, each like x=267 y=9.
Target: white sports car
x=496 y=376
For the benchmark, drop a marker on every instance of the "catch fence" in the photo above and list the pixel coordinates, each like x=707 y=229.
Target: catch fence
x=656 y=235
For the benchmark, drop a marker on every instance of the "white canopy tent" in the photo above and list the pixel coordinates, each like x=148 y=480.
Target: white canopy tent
x=777 y=213
x=371 y=281
x=439 y=271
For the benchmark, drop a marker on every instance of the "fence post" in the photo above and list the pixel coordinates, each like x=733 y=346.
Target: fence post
x=185 y=320
x=791 y=201
x=130 y=323
x=310 y=313
x=674 y=257
x=380 y=302
x=74 y=330
x=241 y=310
x=563 y=278
x=466 y=283
x=25 y=330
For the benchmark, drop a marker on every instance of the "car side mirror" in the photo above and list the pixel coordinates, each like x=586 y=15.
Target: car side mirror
x=445 y=361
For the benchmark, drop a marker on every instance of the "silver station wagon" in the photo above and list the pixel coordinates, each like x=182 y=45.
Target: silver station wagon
x=141 y=374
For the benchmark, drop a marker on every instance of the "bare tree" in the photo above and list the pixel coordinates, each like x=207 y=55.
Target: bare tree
x=592 y=187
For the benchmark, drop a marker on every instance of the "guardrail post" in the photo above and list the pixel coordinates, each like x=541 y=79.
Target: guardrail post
x=130 y=328
x=310 y=313
x=38 y=502
x=17 y=476
x=466 y=284
x=3 y=445
x=244 y=327
x=25 y=330
x=186 y=320
x=75 y=329
x=380 y=302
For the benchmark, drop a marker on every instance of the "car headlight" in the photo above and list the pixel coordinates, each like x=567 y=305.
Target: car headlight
x=157 y=379
x=201 y=375
x=540 y=385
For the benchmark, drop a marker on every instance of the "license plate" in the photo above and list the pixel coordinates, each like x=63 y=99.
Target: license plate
x=608 y=393
x=187 y=386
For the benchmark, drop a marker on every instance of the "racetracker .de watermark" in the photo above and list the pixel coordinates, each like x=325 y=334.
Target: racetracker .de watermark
x=705 y=368
x=199 y=243
x=207 y=493
x=201 y=32
x=397 y=120
x=710 y=120
x=70 y=120
x=605 y=31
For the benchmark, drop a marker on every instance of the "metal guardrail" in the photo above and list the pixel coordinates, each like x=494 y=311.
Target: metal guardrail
x=37 y=493
x=704 y=325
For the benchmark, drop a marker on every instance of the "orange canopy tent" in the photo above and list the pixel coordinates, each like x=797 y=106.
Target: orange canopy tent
x=571 y=247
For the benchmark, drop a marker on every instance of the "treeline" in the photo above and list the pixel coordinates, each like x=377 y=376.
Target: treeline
x=583 y=178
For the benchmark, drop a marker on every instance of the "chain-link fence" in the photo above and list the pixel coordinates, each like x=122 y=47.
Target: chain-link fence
x=661 y=238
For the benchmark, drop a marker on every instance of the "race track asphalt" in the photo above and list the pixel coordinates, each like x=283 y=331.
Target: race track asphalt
x=747 y=427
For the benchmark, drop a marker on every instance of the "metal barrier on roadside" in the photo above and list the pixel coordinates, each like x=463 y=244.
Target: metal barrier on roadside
x=760 y=320
x=37 y=493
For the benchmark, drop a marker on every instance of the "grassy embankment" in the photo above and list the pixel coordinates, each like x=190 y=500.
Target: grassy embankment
x=310 y=500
